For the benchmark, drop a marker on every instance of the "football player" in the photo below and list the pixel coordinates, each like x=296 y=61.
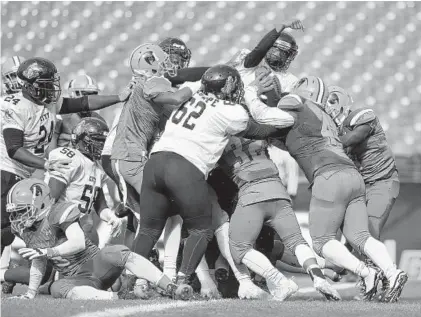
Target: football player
x=82 y=85
x=338 y=190
x=83 y=183
x=193 y=141
x=52 y=232
x=28 y=122
x=9 y=77
x=178 y=52
x=262 y=198
x=365 y=141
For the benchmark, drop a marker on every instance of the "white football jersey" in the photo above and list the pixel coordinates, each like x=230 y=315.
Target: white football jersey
x=37 y=123
x=248 y=75
x=84 y=178
x=200 y=129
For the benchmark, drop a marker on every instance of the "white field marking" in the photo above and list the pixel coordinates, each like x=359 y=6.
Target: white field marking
x=305 y=290
x=132 y=310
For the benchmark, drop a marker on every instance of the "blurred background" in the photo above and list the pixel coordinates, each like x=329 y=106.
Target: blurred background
x=372 y=49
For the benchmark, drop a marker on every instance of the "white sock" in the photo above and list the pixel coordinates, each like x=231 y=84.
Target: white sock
x=143 y=268
x=261 y=265
x=203 y=275
x=172 y=238
x=377 y=251
x=305 y=256
x=222 y=237
x=89 y=293
x=335 y=252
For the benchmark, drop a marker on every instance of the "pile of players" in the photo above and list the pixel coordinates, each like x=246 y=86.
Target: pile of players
x=181 y=129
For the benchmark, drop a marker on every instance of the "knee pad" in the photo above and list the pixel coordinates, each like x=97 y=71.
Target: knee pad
x=115 y=255
x=319 y=242
x=60 y=288
x=206 y=233
x=292 y=241
x=239 y=250
x=7 y=236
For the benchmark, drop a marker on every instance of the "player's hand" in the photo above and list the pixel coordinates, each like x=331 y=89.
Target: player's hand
x=30 y=254
x=116 y=226
x=295 y=25
x=59 y=165
x=264 y=83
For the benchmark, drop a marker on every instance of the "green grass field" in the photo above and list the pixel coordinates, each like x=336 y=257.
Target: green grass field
x=307 y=304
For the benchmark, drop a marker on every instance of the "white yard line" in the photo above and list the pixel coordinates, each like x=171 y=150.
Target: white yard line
x=305 y=290
x=140 y=308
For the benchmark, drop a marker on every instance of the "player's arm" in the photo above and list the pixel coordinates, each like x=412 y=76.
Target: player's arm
x=57 y=188
x=258 y=53
x=107 y=215
x=256 y=131
x=264 y=114
x=178 y=97
x=356 y=136
x=59 y=180
x=36 y=273
x=190 y=74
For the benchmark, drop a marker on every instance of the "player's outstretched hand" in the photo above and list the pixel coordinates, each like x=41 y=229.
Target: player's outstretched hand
x=264 y=83
x=60 y=165
x=30 y=254
x=295 y=25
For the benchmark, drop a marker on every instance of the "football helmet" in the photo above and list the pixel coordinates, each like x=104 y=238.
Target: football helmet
x=81 y=86
x=89 y=137
x=177 y=50
x=312 y=88
x=40 y=80
x=282 y=53
x=9 y=77
x=28 y=201
x=149 y=60
x=224 y=82
x=339 y=104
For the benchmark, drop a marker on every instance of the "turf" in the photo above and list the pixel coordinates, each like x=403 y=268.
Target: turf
x=307 y=305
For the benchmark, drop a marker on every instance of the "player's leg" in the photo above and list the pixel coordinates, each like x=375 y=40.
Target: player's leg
x=190 y=191
x=381 y=197
x=283 y=220
x=171 y=240
x=355 y=230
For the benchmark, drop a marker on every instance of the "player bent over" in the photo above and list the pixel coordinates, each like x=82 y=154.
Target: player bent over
x=52 y=232
x=338 y=190
x=262 y=199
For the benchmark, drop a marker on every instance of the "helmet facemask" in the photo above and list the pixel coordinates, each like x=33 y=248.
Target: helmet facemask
x=90 y=145
x=12 y=84
x=337 y=107
x=280 y=56
x=46 y=91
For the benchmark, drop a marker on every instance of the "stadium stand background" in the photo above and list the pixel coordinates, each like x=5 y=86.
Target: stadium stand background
x=372 y=48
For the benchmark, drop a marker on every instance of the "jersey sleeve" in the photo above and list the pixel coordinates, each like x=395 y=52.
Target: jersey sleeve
x=264 y=114
x=67 y=175
x=13 y=117
x=232 y=119
x=63 y=215
x=154 y=86
x=362 y=117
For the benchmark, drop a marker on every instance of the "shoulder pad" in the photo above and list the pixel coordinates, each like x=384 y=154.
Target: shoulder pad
x=63 y=212
x=156 y=85
x=290 y=102
x=361 y=116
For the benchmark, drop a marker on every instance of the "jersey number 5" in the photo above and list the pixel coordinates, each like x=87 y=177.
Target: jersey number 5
x=45 y=138
x=88 y=196
x=195 y=110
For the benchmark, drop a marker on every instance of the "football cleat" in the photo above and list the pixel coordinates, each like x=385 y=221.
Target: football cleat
x=327 y=290
x=395 y=287
x=368 y=285
x=282 y=290
x=249 y=290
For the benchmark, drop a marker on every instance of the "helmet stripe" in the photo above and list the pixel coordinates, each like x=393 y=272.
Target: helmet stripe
x=9 y=194
x=16 y=60
x=89 y=79
x=71 y=83
x=321 y=90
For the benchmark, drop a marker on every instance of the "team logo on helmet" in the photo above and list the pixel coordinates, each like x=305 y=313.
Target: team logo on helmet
x=33 y=70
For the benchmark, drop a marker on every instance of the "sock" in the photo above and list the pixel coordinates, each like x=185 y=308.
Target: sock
x=172 y=237
x=261 y=265
x=203 y=275
x=308 y=261
x=222 y=237
x=377 y=251
x=88 y=292
x=338 y=254
x=143 y=268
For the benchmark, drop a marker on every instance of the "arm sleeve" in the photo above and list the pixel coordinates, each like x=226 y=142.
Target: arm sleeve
x=72 y=105
x=154 y=86
x=258 y=53
x=187 y=74
x=13 y=138
x=264 y=114
x=66 y=175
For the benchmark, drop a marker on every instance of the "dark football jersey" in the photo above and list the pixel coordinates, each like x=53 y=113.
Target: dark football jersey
x=373 y=156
